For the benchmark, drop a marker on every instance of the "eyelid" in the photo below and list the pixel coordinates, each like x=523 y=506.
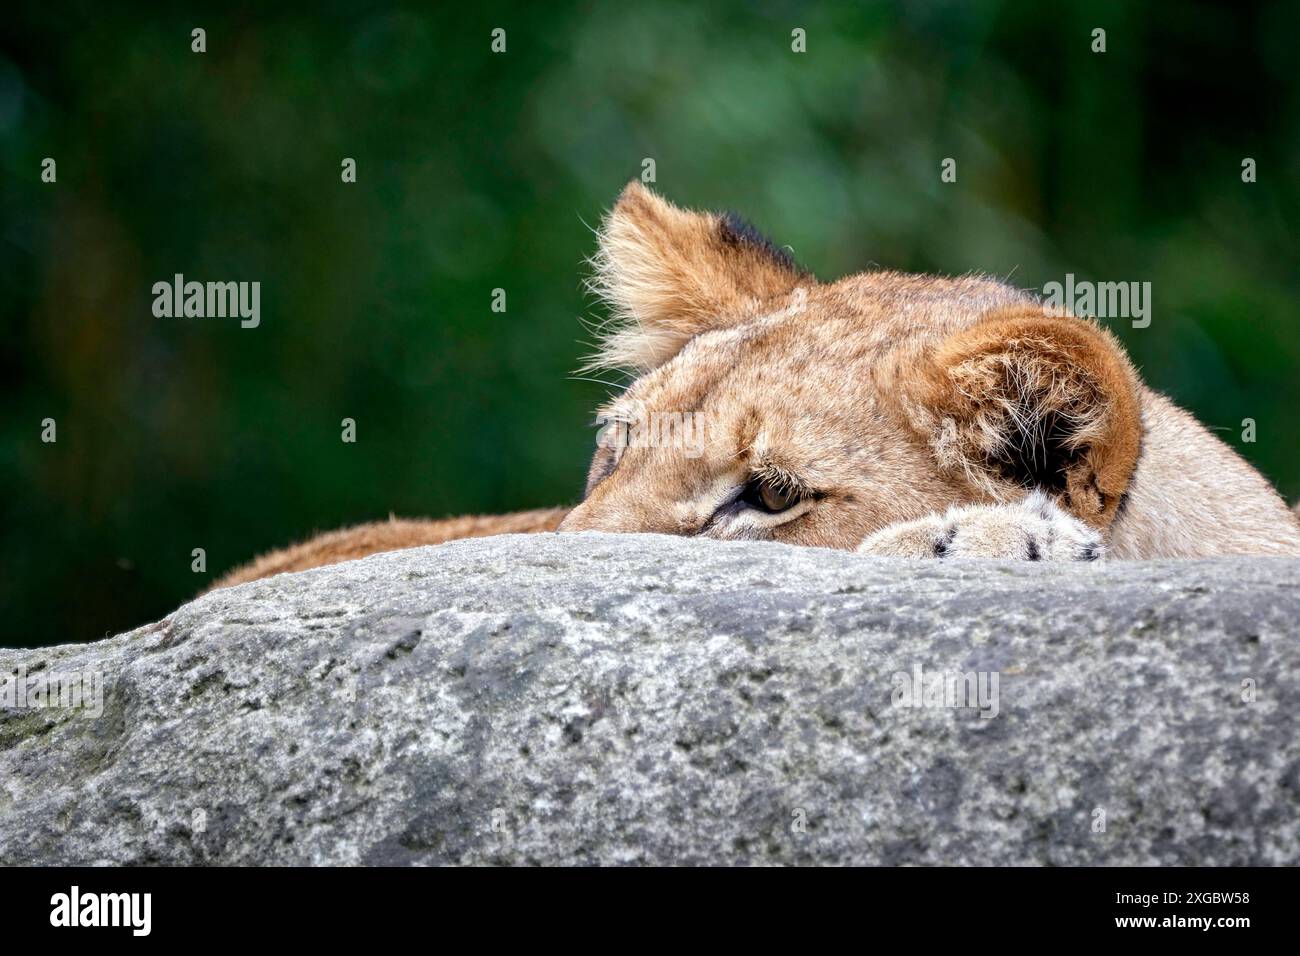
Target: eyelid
x=752 y=519
x=786 y=482
x=731 y=497
x=783 y=479
x=737 y=492
x=726 y=500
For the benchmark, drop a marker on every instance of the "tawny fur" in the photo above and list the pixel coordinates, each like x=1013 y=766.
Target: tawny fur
x=997 y=391
x=392 y=535
x=885 y=400
x=667 y=274
x=893 y=397
x=1032 y=529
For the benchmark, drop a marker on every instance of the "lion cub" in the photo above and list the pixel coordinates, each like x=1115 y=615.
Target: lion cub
x=894 y=414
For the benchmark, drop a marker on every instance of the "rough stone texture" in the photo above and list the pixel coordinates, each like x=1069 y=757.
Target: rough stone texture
x=602 y=699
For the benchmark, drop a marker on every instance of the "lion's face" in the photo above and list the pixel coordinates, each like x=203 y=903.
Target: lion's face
x=776 y=428
x=772 y=406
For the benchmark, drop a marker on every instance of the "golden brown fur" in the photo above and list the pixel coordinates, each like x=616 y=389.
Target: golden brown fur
x=392 y=535
x=890 y=398
x=909 y=415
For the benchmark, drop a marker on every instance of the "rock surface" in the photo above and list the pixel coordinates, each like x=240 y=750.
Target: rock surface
x=599 y=699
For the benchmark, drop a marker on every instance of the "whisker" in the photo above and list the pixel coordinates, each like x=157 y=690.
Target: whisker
x=597 y=381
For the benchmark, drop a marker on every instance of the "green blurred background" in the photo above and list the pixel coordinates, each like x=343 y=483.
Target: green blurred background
x=478 y=171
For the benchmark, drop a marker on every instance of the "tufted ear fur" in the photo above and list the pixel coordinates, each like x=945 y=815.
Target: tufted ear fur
x=1037 y=400
x=668 y=274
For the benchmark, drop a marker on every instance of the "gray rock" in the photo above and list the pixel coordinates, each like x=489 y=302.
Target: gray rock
x=616 y=699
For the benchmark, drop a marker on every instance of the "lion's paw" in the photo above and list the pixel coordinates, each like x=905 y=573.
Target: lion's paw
x=1034 y=529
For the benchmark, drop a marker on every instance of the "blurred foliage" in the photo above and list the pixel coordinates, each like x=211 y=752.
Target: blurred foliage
x=478 y=170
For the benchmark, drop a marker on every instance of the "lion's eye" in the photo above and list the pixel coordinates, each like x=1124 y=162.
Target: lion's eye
x=767 y=496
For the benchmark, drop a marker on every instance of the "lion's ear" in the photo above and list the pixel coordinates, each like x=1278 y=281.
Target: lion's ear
x=668 y=274
x=1037 y=400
